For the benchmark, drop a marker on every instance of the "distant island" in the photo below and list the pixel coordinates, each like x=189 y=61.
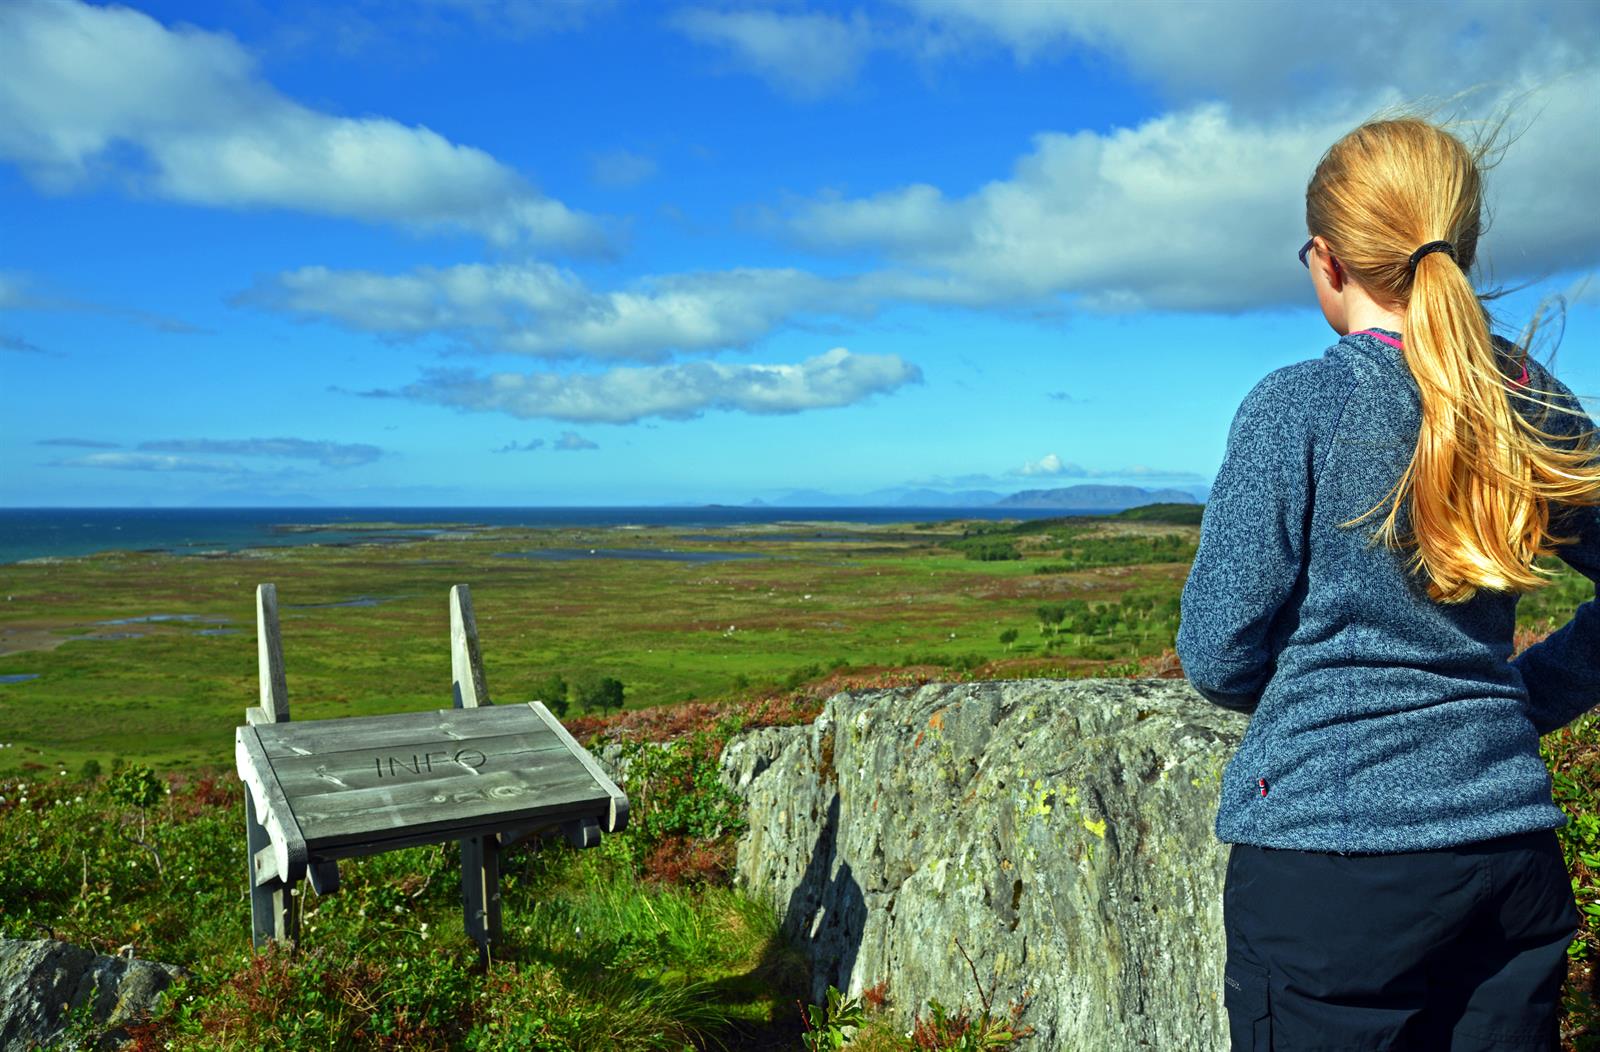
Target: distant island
x=1081 y=498
x=1099 y=498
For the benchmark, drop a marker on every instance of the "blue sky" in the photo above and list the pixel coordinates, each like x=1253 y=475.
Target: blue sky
x=449 y=252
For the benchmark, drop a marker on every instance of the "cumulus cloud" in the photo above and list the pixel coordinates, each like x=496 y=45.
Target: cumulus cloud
x=1256 y=54
x=1192 y=210
x=1049 y=464
x=1266 y=54
x=571 y=441
x=328 y=454
x=630 y=393
x=541 y=309
x=93 y=93
x=807 y=55
x=77 y=443
x=522 y=447
x=619 y=168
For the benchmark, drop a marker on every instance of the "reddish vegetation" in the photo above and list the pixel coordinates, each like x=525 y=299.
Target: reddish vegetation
x=690 y=860
x=804 y=704
x=876 y=995
x=202 y=792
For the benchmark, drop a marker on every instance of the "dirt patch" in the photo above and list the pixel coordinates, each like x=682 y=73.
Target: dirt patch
x=20 y=639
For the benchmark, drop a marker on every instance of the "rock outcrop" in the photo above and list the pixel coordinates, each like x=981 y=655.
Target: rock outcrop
x=1059 y=831
x=57 y=995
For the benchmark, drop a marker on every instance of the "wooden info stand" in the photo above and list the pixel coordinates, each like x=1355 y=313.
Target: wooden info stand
x=486 y=776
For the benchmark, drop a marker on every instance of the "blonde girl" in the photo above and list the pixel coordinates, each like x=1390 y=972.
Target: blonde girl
x=1394 y=880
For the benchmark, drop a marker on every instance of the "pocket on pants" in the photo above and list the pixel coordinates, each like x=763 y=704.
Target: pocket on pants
x=1245 y=997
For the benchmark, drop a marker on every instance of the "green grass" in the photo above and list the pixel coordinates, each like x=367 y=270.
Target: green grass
x=171 y=696
x=594 y=957
x=638 y=944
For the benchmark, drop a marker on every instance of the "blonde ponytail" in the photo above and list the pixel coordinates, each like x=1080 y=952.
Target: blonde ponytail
x=1481 y=481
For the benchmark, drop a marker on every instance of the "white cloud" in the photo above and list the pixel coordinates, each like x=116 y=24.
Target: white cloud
x=631 y=393
x=1268 y=53
x=90 y=93
x=1255 y=54
x=1049 y=464
x=1199 y=209
x=1189 y=210
x=807 y=55
x=571 y=441
x=539 y=309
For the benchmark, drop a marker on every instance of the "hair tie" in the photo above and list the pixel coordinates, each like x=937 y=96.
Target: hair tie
x=1432 y=246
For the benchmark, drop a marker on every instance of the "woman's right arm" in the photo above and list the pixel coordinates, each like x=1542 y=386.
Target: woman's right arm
x=1562 y=671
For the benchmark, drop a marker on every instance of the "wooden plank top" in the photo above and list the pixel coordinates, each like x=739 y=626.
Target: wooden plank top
x=364 y=780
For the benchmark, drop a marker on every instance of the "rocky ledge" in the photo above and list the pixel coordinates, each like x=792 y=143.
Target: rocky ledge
x=1057 y=833
x=56 y=995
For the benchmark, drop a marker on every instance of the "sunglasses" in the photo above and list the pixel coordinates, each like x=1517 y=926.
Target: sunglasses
x=1306 y=248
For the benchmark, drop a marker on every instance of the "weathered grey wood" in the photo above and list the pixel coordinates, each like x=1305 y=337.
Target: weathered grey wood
x=549 y=824
x=582 y=832
x=324 y=877
x=480 y=892
x=617 y=818
x=272 y=913
x=395 y=730
x=466 y=663
x=493 y=802
x=269 y=655
x=533 y=758
x=271 y=806
x=480 y=855
x=326 y=790
x=265 y=866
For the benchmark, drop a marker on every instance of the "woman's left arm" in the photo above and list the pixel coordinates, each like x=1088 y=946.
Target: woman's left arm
x=1252 y=543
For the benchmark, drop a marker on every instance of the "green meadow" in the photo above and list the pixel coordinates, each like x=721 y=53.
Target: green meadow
x=365 y=627
x=120 y=817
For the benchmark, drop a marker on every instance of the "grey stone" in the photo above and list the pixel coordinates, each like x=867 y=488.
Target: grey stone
x=1061 y=831
x=52 y=994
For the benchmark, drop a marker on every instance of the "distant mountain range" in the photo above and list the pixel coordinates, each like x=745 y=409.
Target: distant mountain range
x=1075 y=498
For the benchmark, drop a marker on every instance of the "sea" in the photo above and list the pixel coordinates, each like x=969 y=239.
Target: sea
x=37 y=533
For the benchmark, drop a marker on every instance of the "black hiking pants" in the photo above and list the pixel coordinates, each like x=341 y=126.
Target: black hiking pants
x=1460 y=949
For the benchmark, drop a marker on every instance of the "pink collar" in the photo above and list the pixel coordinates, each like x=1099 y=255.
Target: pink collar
x=1392 y=342
x=1382 y=337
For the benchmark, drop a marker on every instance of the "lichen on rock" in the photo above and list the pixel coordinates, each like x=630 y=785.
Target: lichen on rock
x=1060 y=830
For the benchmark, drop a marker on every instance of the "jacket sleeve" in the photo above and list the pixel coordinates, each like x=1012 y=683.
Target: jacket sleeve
x=1252 y=546
x=1562 y=671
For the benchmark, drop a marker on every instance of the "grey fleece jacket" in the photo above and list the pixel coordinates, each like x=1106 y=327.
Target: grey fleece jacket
x=1381 y=721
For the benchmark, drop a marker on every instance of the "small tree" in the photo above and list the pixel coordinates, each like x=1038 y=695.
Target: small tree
x=1008 y=637
x=599 y=692
x=1050 y=615
x=552 y=690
